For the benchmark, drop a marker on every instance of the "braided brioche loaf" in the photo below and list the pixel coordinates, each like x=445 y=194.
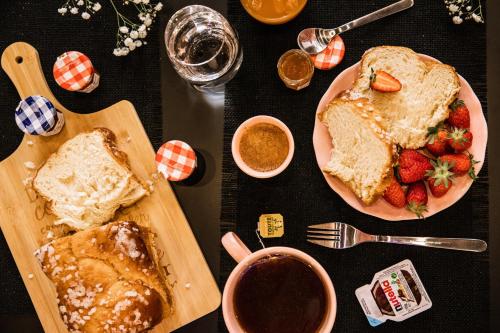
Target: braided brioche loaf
x=107 y=279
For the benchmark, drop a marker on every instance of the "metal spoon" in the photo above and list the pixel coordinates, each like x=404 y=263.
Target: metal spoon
x=315 y=40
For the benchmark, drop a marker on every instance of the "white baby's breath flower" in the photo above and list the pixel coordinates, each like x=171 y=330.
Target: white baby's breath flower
x=129 y=32
x=461 y=10
x=134 y=34
x=158 y=6
x=457 y=20
x=477 y=18
x=128 y=41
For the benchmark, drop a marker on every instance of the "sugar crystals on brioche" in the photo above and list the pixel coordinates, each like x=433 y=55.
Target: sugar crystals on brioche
x=106 y=279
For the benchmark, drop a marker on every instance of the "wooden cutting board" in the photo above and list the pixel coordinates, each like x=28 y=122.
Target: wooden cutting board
x=195 y=290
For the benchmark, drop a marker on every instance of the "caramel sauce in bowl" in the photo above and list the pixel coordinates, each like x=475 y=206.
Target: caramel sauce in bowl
x=262 y=146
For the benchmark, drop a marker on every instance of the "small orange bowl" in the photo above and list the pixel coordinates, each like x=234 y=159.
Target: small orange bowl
x=272 y=11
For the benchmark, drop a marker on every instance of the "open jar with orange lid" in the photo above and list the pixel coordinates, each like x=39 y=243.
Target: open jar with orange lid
x=273 y=11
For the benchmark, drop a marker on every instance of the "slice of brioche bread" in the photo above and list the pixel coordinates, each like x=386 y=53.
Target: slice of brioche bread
x=427 y=89
x=362 y=152
x=87 y=180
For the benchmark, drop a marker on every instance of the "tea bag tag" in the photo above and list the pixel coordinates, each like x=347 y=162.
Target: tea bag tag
x=271 y=225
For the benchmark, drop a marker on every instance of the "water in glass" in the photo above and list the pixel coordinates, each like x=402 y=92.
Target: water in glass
x=203 y=47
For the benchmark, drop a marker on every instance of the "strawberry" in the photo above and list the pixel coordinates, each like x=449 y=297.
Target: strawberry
x=436 y=140
x=394 y=194
x=459 y=114
x=384 y=82
x=459 y=139
x=412 y=166
x=440 y=179
x=461 y=164
x=438 y=190
x=416 y=198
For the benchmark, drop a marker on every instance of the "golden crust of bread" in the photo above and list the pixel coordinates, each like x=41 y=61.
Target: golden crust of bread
x=109 y=139
x=106 y=279
x=370 y=116
x=119 y=155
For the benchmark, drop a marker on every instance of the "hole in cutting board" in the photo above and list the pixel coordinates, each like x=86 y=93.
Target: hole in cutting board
x=19 y=59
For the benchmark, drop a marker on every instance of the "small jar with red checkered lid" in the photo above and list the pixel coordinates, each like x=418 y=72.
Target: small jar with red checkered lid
x=178 y=162
x=74 y=71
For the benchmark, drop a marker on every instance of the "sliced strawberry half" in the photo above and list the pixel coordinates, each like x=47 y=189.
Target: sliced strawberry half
x=384 y=82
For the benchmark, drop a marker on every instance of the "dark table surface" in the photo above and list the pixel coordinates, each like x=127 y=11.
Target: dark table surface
x=185 y=114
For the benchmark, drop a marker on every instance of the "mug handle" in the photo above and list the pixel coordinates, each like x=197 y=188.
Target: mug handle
x=235 y=247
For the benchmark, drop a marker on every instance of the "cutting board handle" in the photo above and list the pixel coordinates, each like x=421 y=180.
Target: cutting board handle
x=21 y=63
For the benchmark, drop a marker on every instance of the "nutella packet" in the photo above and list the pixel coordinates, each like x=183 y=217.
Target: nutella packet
x=396 y=293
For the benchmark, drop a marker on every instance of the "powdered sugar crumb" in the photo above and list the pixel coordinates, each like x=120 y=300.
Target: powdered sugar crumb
x=29 y=165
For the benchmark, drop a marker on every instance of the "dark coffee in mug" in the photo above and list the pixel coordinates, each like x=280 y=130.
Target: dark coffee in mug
x=280 y=293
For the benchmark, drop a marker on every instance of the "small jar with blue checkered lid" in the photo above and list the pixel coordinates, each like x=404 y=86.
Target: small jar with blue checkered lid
x=36 y=115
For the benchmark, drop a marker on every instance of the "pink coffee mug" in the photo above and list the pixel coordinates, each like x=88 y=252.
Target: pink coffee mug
x=235 y=247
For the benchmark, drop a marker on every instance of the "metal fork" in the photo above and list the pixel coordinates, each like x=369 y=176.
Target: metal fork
x=338 y=235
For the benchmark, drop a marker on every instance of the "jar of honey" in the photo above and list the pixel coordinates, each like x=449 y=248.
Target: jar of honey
x=295 y=69
x=273 y=11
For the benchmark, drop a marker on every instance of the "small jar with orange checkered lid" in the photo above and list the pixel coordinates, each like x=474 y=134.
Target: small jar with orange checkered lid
x=74 y=71
x=178 y=162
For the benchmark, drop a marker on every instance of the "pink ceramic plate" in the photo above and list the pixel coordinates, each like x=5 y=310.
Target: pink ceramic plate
x=323 y=145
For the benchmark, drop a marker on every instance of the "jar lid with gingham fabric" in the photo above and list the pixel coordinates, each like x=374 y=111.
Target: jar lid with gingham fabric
x=331 y=56
x=73 y=71
x=36 y=115
x=175 y=160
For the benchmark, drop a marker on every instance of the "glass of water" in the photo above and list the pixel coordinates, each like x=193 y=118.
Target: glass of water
x=203 y=47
